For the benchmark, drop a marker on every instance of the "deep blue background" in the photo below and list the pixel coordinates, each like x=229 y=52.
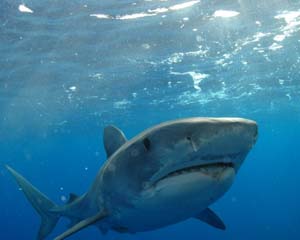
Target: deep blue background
x=65 y=75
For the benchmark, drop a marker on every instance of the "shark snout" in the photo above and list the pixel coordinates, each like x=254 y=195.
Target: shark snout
x=251 y=130
x=255 y=133
x=227 y=143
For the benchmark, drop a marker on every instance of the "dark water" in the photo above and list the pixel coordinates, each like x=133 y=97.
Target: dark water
x=69 y=68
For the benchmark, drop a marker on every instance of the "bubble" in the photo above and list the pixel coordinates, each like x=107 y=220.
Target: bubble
x=63 y=198
x=281 y=81
x=146 y=46
x=73 y=88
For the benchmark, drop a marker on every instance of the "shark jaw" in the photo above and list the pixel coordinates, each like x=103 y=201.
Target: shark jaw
x=178 y=196
x=189 y=184
x=185 y=183
x=210 y=169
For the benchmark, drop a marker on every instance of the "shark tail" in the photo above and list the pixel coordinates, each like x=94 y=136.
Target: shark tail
x=41 y=204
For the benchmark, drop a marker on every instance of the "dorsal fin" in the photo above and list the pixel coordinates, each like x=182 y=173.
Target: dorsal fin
x=72 y=197
x=113 y=139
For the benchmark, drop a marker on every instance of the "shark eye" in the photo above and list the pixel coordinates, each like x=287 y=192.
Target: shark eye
x=188 y=138
x=147 y=143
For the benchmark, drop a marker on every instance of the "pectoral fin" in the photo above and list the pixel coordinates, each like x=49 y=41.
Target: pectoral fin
x=82 y=224
x=212 y=219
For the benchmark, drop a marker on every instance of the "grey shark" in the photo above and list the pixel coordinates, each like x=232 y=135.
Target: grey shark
x=169 y=173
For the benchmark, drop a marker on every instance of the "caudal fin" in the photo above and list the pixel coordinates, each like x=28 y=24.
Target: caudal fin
x=40 y=203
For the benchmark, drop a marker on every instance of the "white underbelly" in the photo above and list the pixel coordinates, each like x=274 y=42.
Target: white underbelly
x=173 y=200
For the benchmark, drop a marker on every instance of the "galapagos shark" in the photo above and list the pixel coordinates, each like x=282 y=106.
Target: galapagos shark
x=166 y=174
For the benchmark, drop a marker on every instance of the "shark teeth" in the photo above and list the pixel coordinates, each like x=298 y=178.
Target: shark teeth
x=206 y=169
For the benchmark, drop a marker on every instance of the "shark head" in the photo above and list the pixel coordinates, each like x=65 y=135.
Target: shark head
x=206 y=145
x=184 y=159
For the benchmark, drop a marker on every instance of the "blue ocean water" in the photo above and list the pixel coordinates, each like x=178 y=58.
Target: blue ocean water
x=69 y=68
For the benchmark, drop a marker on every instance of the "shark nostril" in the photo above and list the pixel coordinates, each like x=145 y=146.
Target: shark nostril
x=192 y=143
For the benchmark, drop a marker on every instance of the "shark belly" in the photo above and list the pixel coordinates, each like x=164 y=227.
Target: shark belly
x=174 y=199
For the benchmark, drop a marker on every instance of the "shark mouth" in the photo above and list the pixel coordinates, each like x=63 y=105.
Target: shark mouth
x=208 y=169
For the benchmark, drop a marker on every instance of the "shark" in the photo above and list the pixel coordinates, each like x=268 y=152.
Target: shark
x=166 y=174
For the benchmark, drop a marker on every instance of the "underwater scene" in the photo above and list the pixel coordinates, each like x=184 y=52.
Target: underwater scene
x=215 y=82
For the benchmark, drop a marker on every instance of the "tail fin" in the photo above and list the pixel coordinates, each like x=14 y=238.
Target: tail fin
x=40 y=203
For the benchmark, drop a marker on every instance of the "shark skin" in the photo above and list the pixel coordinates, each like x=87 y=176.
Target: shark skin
x=166 y=174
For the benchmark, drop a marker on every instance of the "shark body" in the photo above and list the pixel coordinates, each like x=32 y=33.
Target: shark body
x=164 y=175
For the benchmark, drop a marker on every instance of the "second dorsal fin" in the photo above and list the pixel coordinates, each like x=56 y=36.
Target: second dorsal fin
x=113 y=139
x=72 y=197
